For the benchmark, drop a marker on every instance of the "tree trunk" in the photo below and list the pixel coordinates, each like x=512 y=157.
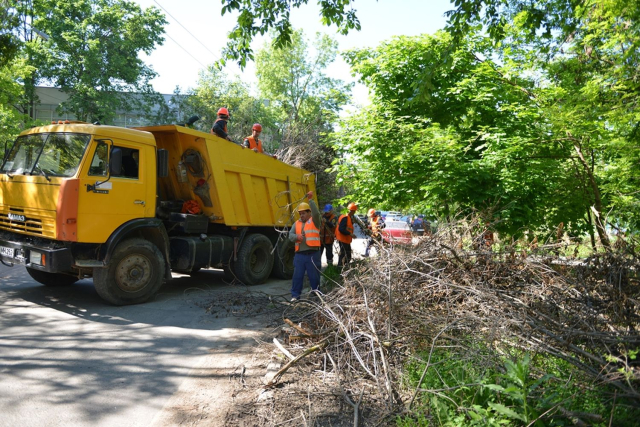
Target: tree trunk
x=597 y=205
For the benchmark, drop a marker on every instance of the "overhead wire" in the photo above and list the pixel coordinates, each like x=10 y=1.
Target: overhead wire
x=187 y=52
x=185 y=28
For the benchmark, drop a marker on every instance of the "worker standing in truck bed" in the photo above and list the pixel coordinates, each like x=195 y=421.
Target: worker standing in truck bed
x=220 y=125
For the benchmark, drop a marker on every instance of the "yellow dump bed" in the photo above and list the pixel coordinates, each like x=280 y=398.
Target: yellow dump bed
x=233 y=185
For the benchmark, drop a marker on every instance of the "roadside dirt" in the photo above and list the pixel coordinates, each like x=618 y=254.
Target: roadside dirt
x=227 y=388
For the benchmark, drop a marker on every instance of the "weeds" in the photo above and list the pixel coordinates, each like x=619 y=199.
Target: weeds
x=529 y=391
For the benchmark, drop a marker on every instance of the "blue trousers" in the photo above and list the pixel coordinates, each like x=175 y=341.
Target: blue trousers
x=309 y=263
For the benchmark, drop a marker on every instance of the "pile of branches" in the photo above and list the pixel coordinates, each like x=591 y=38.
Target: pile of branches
x=405 y=302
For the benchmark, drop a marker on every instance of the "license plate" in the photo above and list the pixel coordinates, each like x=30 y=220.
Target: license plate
x=6 y=251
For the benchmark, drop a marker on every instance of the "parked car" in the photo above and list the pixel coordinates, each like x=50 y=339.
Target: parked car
x=397 y=232
x=391 y=215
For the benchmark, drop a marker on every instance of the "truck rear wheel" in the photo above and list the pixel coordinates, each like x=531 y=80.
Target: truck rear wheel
x=255 y=259
x=134 y=274
x=51 y=279
x=283 y=260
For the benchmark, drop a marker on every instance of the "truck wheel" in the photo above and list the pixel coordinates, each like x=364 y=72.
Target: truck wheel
x=51 y=279
x=255 y=259
x=283 y=259
x=134 y=274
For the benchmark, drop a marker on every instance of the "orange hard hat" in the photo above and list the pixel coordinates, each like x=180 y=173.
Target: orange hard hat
x=223 y=112
x=257 y=126
x=304 y=207
x=352 y=207
x=371 y=212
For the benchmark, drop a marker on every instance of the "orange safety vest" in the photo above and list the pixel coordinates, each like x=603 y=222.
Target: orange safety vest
x=375 y=227
x=326 y=235
x=311 y=234
x=253 y=144
x=344 y=238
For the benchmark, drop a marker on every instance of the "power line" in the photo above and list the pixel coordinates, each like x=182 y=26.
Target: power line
x=188 y=53
x=185 y=28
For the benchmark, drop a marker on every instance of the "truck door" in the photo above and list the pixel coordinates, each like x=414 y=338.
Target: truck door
x=128 y=194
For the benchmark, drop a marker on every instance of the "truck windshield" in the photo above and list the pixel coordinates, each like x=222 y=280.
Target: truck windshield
x=48 y=154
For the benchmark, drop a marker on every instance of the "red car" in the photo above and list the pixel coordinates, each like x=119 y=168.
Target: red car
x=397 y=232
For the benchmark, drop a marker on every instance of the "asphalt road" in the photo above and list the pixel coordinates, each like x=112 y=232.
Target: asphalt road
x=69 y=359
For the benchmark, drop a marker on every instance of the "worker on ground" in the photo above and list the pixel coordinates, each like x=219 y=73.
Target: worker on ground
x=376 y=224
x=328 y=232
x=220 y=125
x=345 y=234
x=418 y=225
x=306 y=235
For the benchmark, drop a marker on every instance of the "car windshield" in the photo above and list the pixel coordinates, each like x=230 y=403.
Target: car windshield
x=48 y=154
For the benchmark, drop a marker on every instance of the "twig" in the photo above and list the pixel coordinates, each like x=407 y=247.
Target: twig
x=282 y=349
x=321 y=345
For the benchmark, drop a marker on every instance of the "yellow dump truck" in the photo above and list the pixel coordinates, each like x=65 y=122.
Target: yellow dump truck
x=128 y=206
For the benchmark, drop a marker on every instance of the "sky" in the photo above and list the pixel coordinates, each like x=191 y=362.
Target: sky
x=196 y=33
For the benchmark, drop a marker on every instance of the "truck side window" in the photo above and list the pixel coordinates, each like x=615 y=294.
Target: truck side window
x=130 y=159
x=99 y=162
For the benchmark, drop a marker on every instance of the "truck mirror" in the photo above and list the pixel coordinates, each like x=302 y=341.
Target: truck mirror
x=115 y=161
x=163 y=163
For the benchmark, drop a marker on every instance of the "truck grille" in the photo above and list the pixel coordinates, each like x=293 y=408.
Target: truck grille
x=30 y=225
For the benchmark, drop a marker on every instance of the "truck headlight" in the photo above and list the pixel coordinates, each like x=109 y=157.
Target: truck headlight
x=36 y=258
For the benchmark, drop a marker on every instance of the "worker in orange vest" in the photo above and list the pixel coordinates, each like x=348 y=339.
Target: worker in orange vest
x=328 y=232
x=306 y=235
x=376 y=224
x=252 y=142
x=220 y=125
x=345 y=234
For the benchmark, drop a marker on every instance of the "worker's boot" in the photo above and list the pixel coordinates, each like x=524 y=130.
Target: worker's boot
x=366 y=252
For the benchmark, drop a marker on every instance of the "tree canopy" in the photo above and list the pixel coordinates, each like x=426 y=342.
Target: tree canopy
x=258 y=17
x=544 y=128
x=89 y=49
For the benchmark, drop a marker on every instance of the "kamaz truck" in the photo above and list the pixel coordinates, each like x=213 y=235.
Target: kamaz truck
x=127 y=207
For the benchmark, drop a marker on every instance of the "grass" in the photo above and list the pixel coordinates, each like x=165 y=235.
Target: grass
x=469 y=389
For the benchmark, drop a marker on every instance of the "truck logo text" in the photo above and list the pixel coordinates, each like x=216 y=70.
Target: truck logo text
x=15 y=217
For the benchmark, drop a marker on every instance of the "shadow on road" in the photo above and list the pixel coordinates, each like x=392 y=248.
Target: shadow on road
x=66 y=354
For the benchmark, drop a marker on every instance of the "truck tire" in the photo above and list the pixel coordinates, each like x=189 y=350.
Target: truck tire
x=255 y=259
x=134 y=274
x=283 y=259
x=51 y=279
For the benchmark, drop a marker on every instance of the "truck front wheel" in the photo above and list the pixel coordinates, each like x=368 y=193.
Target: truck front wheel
x=134 y=273
x=255 y=259
x=51 y=279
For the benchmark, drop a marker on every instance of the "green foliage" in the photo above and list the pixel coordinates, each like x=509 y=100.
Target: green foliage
x=217 y=89
x=543 y=129
x=11 y=120
x=89 y=49
x=466 y=390
x=331 y=277
x=9 y=43
x=305 y=102
x=260 y=16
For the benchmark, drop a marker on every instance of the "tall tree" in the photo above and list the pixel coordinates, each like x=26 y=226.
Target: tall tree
x=89 y=49
x=304 y=101
x=13 y=71
x=452 y=128
x=294 y=81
